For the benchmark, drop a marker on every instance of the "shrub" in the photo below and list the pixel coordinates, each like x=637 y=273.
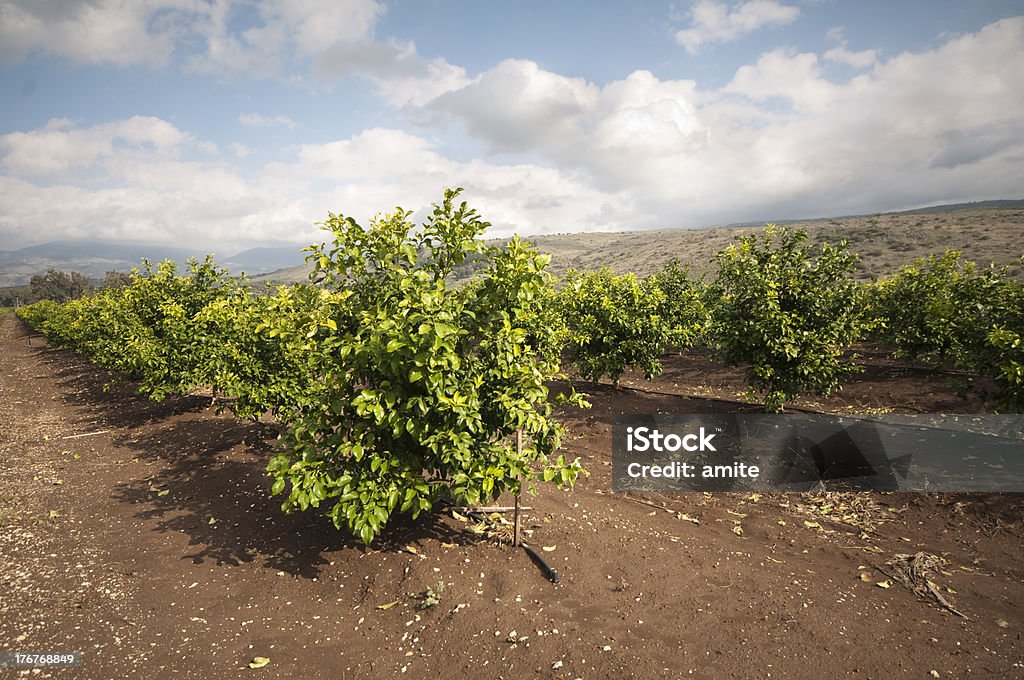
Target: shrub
x=423 y=383
x=787 y=312
x=938 y=308
x=612 y=323
x=683 y=305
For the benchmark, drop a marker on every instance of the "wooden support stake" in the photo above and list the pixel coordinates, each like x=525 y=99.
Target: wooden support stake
x=487 y=509
x=515 y=518
x=85 y=434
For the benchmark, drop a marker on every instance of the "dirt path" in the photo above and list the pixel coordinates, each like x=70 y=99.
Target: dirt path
x=151 y=546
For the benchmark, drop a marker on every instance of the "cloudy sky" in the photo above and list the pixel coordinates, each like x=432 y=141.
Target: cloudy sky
x=234 y=123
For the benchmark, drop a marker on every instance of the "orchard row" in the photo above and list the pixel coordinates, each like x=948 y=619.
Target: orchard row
x=397 y=390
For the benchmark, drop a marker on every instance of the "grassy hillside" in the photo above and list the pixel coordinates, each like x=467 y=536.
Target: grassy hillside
x=885 y=242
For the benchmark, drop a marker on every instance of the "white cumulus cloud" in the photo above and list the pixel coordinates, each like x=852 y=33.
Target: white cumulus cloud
x=103 y=182
x=60 y=147
x=712 y=21
x=399 y=73
x=257 y=120
x=844 y=55
x=782 y=139
x=285 y=39
x=115 y=32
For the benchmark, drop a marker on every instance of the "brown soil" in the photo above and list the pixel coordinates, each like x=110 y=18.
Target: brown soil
x=152 y=546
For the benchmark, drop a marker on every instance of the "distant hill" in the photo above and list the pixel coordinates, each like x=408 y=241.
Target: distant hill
x=1001 y=204
x=94 y=250
x=987 y=232
x=264 y=260
x=96 y=258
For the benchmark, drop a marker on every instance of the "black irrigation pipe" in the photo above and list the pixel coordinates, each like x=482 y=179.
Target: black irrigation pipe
x=870 y=418
x=699 y=397
x=549 y=573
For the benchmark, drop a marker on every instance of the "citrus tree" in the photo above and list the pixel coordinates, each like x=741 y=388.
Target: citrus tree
x=939 y=307
x=420 y=383
x=683 y=304
x=1007 y=368
x=945 y=309
x=613 y=322
x=1001 y=356
x=253 y=350
x=787 y=312
x=148 y=329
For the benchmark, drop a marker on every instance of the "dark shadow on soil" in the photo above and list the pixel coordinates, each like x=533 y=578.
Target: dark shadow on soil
x=110 y=402
x=212 y=486
x=995 y=510
x=214 y=489
x=611 y=401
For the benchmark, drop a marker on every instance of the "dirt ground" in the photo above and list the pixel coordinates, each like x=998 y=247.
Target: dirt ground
x=143 y=536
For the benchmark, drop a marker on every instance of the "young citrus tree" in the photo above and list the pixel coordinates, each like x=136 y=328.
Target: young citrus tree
x=421 y=384
x=253 y=349
x=1001 y=356
x=944 y=309
x=940 y=307
x=683 y=304
x=787 y=312
x=613 y=322
x=147 y=328
x=1007 y=368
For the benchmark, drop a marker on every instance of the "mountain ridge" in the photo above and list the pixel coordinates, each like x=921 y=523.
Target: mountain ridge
x=639 y=251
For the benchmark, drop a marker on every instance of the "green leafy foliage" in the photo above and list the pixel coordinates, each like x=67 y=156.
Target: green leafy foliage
x=58 y=286
x=37 y=313
x=175 y=333
x=683 y=308
x=1008 y=346
x=1001 y=356
x=787 y=312
x=254 y=349
x=423 y=384
x=613 y=322
x=396 y=389
x=940 y=308
x=943 y=309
